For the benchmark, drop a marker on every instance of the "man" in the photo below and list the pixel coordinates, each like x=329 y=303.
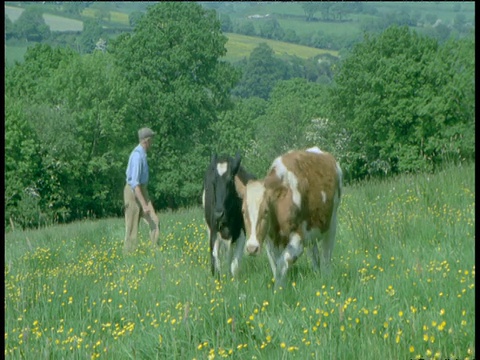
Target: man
x=135 y=194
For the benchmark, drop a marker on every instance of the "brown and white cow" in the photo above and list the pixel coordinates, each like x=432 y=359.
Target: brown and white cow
x=294 y=205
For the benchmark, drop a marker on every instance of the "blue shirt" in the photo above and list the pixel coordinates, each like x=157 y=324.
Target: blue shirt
x=137 y=169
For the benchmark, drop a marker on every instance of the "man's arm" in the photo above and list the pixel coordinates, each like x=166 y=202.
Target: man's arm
x=139 y=195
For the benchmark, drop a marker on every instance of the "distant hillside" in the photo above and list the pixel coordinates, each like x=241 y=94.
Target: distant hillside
x=240 y=46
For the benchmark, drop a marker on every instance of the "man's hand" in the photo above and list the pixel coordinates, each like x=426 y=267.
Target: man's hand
x=146 y=209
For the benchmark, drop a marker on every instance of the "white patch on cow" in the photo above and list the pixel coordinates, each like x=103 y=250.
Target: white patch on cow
x=315 y=150
x=279 y=167
x=294 y=248
x=222 y=168
x=220 y=247
x=272 y=254
x=292 y=182
x=254 y=193
x=235 y=262
x=288 y=178
x=215 y=252
x=208 y=229
x=324 y=196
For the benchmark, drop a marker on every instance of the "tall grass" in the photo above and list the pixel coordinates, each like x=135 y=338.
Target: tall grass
x=401 y=286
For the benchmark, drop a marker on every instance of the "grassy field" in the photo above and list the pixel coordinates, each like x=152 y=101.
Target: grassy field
x=56 y=23
x=240 y=46
x=402 y=286
x=114 y=16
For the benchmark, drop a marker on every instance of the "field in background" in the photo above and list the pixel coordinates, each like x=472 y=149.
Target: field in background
x=402 y=286
x=240 y=46
x=114 y=16
x=56 y=23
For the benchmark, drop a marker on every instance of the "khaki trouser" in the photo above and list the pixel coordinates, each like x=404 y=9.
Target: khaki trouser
x=133 y=212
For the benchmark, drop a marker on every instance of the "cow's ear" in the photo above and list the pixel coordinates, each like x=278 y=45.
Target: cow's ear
x=239 y=187
x=236 y=163
x=213 y=160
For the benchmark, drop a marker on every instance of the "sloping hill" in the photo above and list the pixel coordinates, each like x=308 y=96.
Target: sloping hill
x=240 y=46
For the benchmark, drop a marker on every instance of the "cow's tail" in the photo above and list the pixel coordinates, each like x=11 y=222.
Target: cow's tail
x=339 y=180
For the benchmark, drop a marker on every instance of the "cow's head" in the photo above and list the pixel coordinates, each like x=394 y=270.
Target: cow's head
x=255 y=209
x=224 y=189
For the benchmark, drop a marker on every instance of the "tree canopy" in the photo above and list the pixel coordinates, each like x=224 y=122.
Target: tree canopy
x=400 y=99
x=398 y=102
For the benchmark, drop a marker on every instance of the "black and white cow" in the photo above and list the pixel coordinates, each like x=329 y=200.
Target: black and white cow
x=223 y=209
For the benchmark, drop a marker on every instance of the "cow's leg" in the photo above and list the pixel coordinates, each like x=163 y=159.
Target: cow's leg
x=272 y=255
x=291 y=253
x=239 y=248
x=315 y=255
x=329 y=241
x=214 y=250
x=311 y=239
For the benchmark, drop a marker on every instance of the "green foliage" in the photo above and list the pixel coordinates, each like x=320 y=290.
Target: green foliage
x=310 y=8
x=396 y=98
x=134 y=18
x=22 y=166
x=31 y=26
x=177 y=85
x=271 y=29
x=260 y=73
x=74 y=8
x=236 y=128
x=401 y=102
x=91 y=34
x=227 y=24
x=292 y=106
x=9 y=28
x=245 y=28
x=76 y=108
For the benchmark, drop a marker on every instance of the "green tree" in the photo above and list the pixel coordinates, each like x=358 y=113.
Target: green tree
x=325 y=8
x=271 y=29
x=9 y=28
x=31 y=26
x=92 y=97
x=74 y=7
x=177 y=86
x=40 y=61
x=394 y=96
x=134 y=18
x=227 y=24
x=431 y=18
x=290 y=110
x=245 y=28
x=459 y=22
x=92 y=32
x=237 y=126
x=310 y=9
x=22 y=169
x=76 y=108
x=291 y=36
x=260 y=73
